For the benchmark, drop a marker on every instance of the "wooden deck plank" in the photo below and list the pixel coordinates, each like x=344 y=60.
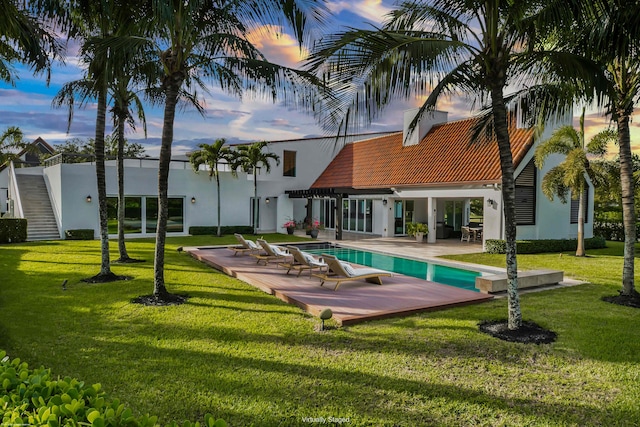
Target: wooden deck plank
x=354 y=302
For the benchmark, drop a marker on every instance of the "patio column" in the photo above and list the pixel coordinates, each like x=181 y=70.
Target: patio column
x=338 y=214
x=432 y=217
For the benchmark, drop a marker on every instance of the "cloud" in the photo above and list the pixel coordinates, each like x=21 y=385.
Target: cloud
x=372 y=11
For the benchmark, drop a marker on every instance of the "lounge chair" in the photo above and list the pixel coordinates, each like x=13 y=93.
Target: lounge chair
x=270 y=252
x=344 y=272
x=247 y=246
x=303 y=261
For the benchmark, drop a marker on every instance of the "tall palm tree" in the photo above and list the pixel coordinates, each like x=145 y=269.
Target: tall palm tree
x=212 y=156
x=615 y=38
x=209 y=39
x=23 y=38
x=429 y=49
x=251 y=159
x=569 y=176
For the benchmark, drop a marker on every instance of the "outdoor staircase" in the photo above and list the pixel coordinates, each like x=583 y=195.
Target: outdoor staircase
x=36 y=206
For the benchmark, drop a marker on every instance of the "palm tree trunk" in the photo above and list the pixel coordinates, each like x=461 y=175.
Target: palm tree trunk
x=255 y=200
x=219 y=233
x=122 y=248
x=171 y=99
x=105 y=265
x=628 y=212
x=501 y=130
x=580 y=249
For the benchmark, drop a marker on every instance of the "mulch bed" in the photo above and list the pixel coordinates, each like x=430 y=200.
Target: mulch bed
x=168 y=299
x=528 y=333
x=105 y=278
x=626 y=300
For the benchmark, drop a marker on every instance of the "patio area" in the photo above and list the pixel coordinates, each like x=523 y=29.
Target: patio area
x=355 y=301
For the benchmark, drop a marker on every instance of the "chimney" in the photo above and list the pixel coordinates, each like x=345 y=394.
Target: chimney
x=428 y=120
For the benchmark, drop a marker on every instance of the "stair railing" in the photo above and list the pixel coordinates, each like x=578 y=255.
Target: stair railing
x=15 y=208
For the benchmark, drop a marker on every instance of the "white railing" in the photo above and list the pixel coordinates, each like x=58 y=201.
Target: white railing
x=140 y=162
x=15 y=208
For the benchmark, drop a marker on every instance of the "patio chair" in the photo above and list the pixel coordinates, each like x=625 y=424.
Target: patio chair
x=270 y=252
x=466 y=234
x=344 y=272
x=246 y=246
x=303 y=261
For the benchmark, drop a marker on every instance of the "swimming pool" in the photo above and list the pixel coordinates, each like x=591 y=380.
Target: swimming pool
x=452 y=276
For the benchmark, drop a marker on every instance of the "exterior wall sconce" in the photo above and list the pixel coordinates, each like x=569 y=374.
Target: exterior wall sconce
x=384 y=202
x=89 y=198
x=193 y=200
x=491 y=202
x=267 y=200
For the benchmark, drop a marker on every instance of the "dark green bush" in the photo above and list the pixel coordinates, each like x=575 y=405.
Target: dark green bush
x=79 y=234
x=495 y=246
x=13 y=230
x=34 y=397
x=611 y=230
x=198 y=230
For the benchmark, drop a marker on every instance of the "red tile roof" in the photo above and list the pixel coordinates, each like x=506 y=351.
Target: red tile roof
x=444 y=156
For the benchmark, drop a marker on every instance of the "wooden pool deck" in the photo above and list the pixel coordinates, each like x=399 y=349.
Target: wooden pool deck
x=353 y=302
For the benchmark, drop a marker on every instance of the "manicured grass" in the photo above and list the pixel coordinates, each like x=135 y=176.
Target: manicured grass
x=249 y=358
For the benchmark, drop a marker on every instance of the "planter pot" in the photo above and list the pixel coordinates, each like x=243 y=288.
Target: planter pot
x=419 y=236
x=313 y=234
x=290 y=230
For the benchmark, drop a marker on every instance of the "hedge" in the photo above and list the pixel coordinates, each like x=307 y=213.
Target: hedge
x=198 y=230
x=79 y=234
x=495 y=246
x=612 y=230
x=13 y=230
x=34 y=397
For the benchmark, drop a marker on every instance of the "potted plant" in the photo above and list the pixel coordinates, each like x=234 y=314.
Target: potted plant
x=313 y=227
x=417 y=229
x=290 y=225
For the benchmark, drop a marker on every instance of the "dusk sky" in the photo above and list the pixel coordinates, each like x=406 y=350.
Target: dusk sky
x=28 y=103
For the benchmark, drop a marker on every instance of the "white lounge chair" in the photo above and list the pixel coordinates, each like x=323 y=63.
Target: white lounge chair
x=303 y=261
x=344 y=272
x=270 y=252
x=246 y=246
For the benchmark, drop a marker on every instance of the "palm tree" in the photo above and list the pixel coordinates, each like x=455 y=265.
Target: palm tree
x=11 y=139
x=251 y=158
x=430 y=49
x=616 y=36
x=570 y=174
x=23 y=38
x=212 y=156
x=203 y=38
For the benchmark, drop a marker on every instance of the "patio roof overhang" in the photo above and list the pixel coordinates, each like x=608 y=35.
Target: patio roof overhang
x=319 y=193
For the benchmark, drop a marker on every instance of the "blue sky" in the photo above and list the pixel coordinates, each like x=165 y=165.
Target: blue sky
x=28 y=103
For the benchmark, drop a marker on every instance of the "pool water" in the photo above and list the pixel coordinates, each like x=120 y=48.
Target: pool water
x=451 y=276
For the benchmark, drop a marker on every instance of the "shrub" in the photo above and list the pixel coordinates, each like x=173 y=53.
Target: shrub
x=611 y=230
x=201 y=230
x=13 y=230
x=495 y=246
x=79 y=234
x=34 y=397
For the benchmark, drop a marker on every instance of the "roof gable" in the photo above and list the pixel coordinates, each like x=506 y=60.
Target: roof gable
x=444 y=156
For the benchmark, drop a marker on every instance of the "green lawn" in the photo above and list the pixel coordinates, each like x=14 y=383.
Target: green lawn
x=249 y=358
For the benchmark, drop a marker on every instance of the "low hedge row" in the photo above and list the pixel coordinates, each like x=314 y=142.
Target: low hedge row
x=495 y=246
x=79 y=234
x=33 y=397
x=200 y=230
x=13 y=230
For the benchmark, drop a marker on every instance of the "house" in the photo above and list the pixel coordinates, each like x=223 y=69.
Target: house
x=367 y=184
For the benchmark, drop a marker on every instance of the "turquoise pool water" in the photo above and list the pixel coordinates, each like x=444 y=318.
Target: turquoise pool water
x=465 y=279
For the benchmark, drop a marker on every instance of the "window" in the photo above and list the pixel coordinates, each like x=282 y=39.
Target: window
x=327 y=212
x=357 y=215
x=575 y=206
x=526 y=195
x=137 y=219
x=289 y=164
